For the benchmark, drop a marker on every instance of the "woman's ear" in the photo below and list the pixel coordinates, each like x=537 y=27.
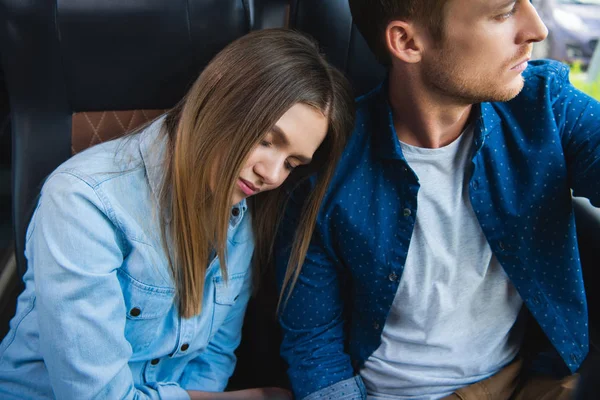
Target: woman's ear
x=404 y=41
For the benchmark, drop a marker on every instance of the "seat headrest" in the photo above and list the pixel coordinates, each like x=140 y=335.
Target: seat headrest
x=330 y=23
x=148 y=53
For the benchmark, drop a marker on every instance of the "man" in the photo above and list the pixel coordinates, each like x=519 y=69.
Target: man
x=449 y=225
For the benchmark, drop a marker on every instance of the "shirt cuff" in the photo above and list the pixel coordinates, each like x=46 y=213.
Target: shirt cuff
x=349 y=389
x=171 y=391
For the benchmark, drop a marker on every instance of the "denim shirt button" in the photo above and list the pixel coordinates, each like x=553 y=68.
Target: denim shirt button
x=155 y=361
x=407 y=212
x=135 y=312
x=376 y=325
x=235 y=212
x=185 y=346
x=501 y=246
x=393 y=277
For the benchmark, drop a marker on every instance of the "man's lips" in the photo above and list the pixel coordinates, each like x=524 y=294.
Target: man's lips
x=521 y=65
x=248 y=188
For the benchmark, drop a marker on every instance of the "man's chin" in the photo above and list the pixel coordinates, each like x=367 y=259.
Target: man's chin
x=515 y=92
x=507 y=93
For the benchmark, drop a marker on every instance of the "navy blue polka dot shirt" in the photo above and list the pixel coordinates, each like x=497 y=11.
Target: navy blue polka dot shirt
x=529 y=154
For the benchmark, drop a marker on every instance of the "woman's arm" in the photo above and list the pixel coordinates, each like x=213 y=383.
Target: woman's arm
x=211 y=369
x=75 y=250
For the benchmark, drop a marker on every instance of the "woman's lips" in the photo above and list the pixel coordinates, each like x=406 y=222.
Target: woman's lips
x=246 y=187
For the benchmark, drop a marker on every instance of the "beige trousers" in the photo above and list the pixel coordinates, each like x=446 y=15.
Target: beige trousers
x=508 y=385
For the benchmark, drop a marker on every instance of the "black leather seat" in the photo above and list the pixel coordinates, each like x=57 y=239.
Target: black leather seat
x=75 y=56
x=331 y=24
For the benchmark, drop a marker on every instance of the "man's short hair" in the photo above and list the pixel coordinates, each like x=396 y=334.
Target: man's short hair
x=372 y=17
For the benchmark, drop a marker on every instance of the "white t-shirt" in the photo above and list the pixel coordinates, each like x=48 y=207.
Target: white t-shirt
x=453 y=320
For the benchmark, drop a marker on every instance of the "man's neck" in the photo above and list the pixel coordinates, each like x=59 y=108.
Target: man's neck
x=422 y=118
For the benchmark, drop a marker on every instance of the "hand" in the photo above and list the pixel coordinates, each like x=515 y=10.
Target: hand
x=275 y=393
x=268 y=393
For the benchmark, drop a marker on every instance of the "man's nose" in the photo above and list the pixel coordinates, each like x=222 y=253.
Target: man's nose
x=534 y=29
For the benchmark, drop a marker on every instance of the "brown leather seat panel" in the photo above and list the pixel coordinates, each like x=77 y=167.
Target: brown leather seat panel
x=90 y=128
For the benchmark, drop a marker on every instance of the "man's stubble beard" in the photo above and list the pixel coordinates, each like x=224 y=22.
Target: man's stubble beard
x=443 y=76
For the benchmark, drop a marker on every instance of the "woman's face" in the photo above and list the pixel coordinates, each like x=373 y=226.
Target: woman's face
x=291 y=142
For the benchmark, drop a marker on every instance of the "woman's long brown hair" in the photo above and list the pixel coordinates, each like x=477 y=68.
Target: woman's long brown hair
x=235 y=101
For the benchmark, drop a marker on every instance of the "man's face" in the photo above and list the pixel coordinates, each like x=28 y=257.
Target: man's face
x=484 y=50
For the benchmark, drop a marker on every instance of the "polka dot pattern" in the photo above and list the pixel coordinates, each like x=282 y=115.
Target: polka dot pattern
x=530 y=153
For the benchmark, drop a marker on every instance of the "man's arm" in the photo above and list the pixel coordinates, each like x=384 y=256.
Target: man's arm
x=312 y=319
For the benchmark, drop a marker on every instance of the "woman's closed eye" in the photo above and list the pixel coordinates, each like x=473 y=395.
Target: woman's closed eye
x=289 y=166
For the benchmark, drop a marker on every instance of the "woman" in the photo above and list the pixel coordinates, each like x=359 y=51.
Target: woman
x=141 y=251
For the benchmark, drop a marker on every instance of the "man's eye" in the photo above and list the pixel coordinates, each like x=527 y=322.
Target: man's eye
x=507 y=15
x=265 y=143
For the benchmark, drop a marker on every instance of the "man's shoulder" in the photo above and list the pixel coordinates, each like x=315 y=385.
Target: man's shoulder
x=549 y=75
x=370 y=109
x=366 y=103
x=545 y=68
x=103 y=161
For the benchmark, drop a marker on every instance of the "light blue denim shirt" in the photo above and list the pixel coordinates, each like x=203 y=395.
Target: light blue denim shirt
x=98 y=318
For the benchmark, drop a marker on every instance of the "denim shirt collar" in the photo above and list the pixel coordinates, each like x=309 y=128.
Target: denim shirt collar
x=152 y=145
x=487 y=122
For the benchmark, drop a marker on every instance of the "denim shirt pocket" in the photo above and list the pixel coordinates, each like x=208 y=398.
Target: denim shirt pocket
x=226 y=295
x=147 y=310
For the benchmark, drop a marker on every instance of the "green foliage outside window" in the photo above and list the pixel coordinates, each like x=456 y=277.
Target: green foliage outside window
x=580 y=81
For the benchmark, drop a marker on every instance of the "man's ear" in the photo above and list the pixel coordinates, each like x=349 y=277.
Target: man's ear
x=404 y=41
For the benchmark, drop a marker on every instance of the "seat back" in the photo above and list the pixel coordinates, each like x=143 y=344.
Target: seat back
x=330 y=23
x=73 y=63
